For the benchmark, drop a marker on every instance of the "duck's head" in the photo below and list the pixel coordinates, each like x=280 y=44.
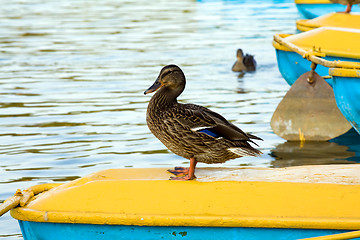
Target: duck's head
x=239 y=54
x=239 y=65
x=171 y=78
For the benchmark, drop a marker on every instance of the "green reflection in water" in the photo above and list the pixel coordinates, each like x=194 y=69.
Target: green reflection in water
x=310 y=153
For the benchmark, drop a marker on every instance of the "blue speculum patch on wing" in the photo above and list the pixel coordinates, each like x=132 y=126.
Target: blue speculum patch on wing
x=209 y=132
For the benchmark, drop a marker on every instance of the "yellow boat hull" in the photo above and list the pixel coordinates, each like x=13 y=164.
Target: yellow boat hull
x=251 y=200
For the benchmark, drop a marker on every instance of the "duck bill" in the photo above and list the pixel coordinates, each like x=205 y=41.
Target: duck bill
x=154 y=87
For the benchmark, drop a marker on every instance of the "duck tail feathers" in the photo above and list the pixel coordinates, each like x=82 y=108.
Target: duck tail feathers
x=245 y=151
x=254 y=137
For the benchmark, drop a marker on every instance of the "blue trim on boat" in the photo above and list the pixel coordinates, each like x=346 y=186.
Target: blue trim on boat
x=68 y=231
x=310 y=11
x=347 y=96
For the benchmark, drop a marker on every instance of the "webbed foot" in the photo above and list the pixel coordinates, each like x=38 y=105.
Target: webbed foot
x=179 y=171
x=182 y=178
x=184 y=174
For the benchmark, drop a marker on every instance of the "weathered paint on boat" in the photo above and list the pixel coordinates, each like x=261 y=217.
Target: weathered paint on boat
x=346 y=85
x=343 y=20
x=223 y=203
x=333 y=44
x=315 y=8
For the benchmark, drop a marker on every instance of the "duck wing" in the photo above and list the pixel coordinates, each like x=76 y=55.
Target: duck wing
x=203 y=120
x=249 y=62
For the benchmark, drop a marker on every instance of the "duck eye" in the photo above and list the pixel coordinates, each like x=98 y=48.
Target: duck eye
x=164 y=75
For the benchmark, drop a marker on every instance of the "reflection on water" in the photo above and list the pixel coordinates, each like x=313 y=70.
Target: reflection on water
x=341 y=150
x=73 y=75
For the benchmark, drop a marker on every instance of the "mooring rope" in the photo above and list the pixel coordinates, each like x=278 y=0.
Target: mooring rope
x=21 y=198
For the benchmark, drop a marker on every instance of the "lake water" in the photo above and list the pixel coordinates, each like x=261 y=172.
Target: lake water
x=73 y=75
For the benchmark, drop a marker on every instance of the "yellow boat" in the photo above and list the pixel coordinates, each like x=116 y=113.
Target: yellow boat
x=223 y=203
x=329 y=43
x=342 y=20
x=336 y=51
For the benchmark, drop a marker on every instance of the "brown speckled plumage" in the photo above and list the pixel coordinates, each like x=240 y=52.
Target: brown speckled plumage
x=178 y=126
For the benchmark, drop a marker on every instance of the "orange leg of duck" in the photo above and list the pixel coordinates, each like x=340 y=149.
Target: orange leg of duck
x=348 y=8
x=189 y=173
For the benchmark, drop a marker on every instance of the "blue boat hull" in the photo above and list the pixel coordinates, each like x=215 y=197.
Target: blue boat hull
x=68 y=231
x=347 y=96
x=292 y=66
x=310 y=11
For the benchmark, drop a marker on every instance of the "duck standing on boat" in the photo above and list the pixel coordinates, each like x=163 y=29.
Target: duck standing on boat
x=243 y=63
x=348 y=4
x=192 y=131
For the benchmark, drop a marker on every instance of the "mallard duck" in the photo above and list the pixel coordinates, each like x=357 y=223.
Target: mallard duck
x=348 y=4
x=243 y=63
x=192 y=131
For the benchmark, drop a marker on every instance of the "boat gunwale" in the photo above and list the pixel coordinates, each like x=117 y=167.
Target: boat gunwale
x=305 y=25
x=24 y=214
x=327 y=52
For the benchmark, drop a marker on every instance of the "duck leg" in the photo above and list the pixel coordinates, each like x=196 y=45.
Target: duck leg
x=348 y=8
x=189 y=173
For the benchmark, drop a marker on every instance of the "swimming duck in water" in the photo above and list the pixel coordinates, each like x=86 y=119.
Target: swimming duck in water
x=243 y=63
x=348 y=4
x=192 y=131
